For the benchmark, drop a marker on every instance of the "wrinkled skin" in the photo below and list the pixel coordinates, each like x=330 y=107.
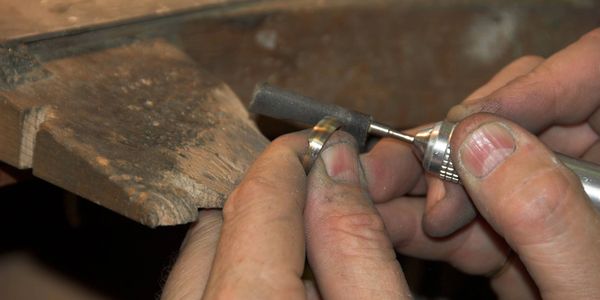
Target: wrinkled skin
x=350 y=214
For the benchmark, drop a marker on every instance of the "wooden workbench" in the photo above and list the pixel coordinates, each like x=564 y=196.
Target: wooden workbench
x=138 y=105
x=122 y=118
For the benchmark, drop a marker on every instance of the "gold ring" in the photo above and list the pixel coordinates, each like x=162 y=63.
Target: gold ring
x=317 y=139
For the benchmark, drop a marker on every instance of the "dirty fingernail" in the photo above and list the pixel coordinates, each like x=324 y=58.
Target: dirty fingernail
x=486 y=148
x=457 y=113
x=341 y=162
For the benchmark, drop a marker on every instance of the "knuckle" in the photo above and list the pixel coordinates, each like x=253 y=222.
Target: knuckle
x=539 y=203
x=287 y=141
x=247 y=194
x=592 y=36
x=538 y=75
x=359 y=232
x=283 y=140
x=539 y=86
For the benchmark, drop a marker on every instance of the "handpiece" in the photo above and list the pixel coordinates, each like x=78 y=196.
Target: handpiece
x=431 y=145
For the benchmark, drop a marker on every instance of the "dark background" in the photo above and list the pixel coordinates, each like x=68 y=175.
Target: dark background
x=113 y=257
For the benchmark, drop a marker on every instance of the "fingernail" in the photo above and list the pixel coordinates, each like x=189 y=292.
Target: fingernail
x=486 y=148
x=341 y=162
x=457 y=113
x=463 y=110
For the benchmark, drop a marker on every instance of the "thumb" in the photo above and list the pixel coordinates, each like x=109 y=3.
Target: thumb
x=348 y=247
x=534 y=201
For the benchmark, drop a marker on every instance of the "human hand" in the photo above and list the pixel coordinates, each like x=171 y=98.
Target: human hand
x=256 y=248
x=529 y=199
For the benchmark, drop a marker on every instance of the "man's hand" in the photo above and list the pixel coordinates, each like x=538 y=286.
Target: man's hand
x=523 y=194
x=257 y=248
x=528 y=202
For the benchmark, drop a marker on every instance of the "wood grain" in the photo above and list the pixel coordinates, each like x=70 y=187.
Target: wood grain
x=137 y=128
x=26 y=19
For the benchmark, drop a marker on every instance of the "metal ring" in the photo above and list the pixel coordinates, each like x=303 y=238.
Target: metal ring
x=317 y=139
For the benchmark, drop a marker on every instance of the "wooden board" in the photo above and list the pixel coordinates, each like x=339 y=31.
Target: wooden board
x=137 y=128
x=29 y=19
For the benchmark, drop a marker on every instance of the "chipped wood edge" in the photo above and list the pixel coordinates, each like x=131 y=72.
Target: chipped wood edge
x=31 y=119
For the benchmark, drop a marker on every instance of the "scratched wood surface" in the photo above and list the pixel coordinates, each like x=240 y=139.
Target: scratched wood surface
x=31 y=18
x=137 y=128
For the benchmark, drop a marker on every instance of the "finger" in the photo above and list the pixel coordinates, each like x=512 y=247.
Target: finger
x=533 y=201
x=448 y=208
x=519 y=67
x=312 y=292
x=572 y=140
x=514 y=282
x=593 y=153
x=189 y=275
x=391 y=170
x=475 y=249
x=562 y=90
x=348 y=247
x=261 y=250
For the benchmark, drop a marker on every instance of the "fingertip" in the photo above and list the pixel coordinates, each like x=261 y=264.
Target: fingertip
x=466 y=126
x=448 y=209
x=295 y=141
x=526 y=63
x=340 y=159
x=345 y=236
x=391 y=170
x=458 y=112
x=529 y=197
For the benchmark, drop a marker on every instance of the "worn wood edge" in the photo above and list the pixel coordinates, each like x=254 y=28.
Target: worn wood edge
x=198 y=177
x=107 y=191
x=19 y=127
x=138 y=199
x=70 y=28
x=11 y=132
x=193 y=160
x=222 y=10
x=31 y=119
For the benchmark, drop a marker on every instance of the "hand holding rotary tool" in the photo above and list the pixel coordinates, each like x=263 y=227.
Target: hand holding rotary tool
x=431 y=145
x=526 y=221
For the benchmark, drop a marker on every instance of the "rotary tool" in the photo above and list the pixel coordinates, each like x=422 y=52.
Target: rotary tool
x=431 y=145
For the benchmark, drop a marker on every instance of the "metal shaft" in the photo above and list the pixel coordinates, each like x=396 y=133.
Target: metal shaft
x=385 y=131
x=435 y=158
